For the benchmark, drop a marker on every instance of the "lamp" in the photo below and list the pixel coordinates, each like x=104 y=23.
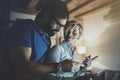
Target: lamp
x=81 y=49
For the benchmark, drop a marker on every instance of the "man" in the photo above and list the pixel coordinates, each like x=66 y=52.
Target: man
x=29 y=43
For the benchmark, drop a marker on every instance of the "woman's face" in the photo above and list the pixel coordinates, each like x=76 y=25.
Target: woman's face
x=72 y=33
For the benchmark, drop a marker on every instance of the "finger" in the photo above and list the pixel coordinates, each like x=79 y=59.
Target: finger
x=89 y=56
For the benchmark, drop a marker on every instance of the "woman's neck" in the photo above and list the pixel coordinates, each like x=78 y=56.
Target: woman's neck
x=72 y=43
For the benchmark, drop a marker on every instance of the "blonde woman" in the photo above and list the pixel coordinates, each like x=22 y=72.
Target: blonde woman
x=65 y=50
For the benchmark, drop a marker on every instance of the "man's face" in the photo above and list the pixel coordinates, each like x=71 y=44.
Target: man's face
x=55 y=25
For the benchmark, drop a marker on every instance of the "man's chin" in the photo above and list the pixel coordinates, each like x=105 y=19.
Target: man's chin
x=51 y=34
x=68 y=40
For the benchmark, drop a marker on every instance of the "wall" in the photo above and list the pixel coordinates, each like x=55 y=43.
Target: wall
x=102 y=37
x=18 y=15
x=4 y=19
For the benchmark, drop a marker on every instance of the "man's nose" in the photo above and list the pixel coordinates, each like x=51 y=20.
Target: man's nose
x=58 y=29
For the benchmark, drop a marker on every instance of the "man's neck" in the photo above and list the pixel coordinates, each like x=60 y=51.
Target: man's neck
x=40 y=29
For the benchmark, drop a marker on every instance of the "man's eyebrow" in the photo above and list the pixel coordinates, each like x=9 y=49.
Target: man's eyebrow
x=58 y=22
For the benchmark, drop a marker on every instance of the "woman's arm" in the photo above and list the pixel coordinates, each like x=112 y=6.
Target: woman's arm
x=54 y=55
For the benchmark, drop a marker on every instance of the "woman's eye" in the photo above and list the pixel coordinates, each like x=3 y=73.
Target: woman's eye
x=75 y=32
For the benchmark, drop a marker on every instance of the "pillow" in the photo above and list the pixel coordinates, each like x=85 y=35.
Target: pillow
x=112 y=75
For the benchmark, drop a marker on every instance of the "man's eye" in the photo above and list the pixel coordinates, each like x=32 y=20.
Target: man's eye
x=68 y=32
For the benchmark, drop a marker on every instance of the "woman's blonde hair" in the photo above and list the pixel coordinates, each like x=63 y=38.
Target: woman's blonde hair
x=73 y=23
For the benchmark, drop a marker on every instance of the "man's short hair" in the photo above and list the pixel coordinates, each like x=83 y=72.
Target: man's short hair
x=55 y=8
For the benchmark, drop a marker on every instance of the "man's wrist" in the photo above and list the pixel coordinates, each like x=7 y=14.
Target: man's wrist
x=58 y=67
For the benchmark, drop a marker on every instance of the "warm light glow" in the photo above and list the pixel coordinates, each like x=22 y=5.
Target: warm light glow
x=81 y=49
x=94 y=26
x=98 y=65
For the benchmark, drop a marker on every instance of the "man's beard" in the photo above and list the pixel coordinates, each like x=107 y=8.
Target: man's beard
x=49 y=31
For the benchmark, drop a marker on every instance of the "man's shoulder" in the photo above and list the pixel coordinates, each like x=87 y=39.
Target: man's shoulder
x=25 y=21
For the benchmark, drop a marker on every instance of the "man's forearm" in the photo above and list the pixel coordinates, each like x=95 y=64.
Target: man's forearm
x=36 y=70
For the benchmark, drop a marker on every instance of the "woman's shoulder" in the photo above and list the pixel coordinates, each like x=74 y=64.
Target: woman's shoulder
x=57 y=46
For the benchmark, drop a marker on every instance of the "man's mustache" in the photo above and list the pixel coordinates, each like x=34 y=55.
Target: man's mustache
x=55 y=30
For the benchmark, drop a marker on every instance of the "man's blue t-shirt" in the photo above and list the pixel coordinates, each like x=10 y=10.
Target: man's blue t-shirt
x=24 y=33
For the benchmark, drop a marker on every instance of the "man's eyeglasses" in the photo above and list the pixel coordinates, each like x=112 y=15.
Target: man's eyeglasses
x=58 y=24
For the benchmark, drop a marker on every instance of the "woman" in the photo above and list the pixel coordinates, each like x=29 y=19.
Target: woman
x=66 y=49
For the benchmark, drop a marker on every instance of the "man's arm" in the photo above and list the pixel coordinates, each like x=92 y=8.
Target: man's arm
x=26 y=69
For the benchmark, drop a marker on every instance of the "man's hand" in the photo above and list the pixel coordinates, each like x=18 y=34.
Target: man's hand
x=66 y=65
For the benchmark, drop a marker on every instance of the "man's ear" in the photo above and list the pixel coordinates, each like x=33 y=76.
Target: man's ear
x=45 y=17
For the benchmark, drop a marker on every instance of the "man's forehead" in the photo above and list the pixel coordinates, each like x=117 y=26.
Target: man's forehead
x=60 y=21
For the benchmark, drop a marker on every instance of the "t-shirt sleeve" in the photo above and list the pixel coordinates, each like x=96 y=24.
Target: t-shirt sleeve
x=20 y=34
x=55 y=54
